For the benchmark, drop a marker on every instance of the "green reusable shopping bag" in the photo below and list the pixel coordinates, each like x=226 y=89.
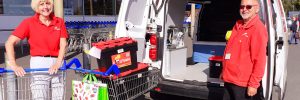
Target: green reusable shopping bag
x=103 y=92
x=89 y=89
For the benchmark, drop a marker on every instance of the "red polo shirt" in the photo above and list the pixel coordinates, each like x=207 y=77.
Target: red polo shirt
x=245 y=54
x=43 y=40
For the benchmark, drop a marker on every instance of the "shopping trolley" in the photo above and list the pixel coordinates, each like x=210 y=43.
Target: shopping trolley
x=128 y=85
x=37 y=84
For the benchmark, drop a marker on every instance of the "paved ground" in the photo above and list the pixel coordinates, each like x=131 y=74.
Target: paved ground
x=292 y=92
x=293 y=80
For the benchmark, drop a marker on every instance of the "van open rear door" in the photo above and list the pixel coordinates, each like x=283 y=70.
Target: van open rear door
x=281 y=51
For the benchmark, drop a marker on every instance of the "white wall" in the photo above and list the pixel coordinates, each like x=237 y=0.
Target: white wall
x=3 y=37
x=10 y=22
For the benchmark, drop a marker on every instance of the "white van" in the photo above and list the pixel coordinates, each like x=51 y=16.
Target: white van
x=165 y=43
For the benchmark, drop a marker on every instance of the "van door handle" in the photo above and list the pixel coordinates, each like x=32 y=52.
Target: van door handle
x=280 y=42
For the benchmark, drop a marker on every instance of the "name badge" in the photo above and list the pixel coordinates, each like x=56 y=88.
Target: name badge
x=227 y=56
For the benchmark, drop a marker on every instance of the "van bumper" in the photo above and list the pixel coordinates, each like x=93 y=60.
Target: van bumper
x=197 y=90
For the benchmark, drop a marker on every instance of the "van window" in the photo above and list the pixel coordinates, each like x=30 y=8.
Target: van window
x=282 y=16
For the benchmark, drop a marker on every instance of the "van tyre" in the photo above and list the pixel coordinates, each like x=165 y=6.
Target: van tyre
x=157 y=96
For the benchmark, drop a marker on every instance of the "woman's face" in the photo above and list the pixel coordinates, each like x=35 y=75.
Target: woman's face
x=45 y=8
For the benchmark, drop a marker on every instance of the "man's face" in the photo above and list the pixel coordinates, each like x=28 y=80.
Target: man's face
x=294 y=18
x=187 y=14
x=248 y=9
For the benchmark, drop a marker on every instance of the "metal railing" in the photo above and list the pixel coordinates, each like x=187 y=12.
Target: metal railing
x=88 y=32
x=84 y=33
x=7 y=30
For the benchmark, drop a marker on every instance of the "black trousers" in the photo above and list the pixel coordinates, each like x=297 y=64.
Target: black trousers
x=234 y=92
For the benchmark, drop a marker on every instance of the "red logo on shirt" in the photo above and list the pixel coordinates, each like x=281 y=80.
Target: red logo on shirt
x=56 y=28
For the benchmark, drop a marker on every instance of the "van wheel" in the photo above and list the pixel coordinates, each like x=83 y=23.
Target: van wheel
x=155 y=95
x=158 y=96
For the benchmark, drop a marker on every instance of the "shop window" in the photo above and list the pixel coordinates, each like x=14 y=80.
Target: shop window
x=73 y=7
x=99 y=7
x=16 y=7
x=1 y=7
x=102 y=7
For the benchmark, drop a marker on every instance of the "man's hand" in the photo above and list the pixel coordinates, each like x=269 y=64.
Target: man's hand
x=221 y=76
x=251 y=91
x=53 y=69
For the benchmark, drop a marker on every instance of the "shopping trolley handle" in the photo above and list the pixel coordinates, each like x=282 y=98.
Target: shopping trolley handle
x=89 y=71
x=113 y=68
x=3 y=70
x=64 y=67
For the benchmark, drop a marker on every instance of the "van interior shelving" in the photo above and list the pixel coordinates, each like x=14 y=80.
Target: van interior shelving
x=214 y=18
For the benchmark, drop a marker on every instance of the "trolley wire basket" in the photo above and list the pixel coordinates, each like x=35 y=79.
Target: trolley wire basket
x=130 y=86
x=37 y=84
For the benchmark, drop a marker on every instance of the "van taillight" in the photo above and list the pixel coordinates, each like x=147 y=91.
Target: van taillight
x=153 y=39
x=153 y=47
x=157 y=89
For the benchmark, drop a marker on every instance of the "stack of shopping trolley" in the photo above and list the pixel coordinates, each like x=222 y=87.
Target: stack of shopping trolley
x=81 y=32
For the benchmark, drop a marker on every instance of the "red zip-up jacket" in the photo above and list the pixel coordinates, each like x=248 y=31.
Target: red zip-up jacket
x=245 y=54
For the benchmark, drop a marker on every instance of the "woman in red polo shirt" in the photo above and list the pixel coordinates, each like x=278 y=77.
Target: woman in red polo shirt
x=46 y=35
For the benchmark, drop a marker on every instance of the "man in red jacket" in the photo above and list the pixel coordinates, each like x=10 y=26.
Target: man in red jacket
x=245 y=54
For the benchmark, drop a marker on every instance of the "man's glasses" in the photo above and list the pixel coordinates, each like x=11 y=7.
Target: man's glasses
x=248 y=7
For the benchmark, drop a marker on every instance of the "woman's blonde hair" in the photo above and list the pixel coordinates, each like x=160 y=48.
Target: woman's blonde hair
x=35 y=4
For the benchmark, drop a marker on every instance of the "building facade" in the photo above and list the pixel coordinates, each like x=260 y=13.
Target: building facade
x=12 y=12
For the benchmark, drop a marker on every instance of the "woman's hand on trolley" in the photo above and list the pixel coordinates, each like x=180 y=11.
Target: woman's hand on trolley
x=19 y=71
x=53 y=69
